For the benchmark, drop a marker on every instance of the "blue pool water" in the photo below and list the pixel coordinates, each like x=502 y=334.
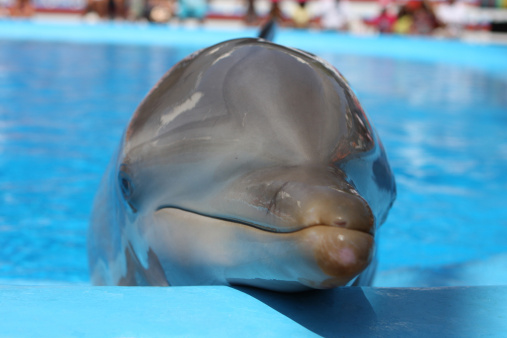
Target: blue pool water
x=63 y=107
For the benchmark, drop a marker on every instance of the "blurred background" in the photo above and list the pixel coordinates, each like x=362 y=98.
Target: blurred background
x=439 y=17
x=432 y=75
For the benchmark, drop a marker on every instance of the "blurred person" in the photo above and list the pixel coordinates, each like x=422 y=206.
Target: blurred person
x=105 y=9
x=275 y=12
x=335 y=14
x=4 y=10
x=196 y=9
x=251 y=14
x=405 y=20
x=159 y=11
x=22 y=8
x=453 y=16
x=136 y=9
x=300 y=15
x=384 y=22
x=425 y=19
x=117 y=9
x=416 y=17
x=95 y=8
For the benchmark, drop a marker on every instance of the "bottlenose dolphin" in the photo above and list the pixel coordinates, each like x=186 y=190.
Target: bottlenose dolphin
x=249 y=163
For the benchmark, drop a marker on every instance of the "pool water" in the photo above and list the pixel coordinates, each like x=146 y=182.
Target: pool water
x=63 y=107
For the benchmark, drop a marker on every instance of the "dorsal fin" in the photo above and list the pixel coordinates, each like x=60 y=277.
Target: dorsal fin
x=268 y=30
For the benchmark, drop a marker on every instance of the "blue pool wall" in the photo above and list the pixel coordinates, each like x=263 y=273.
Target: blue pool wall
x=486 y=57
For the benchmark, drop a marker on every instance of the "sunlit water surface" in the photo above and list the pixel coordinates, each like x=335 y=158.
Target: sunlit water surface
x=63 y=108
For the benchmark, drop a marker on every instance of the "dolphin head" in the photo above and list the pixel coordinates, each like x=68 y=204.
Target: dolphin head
x=251 y=163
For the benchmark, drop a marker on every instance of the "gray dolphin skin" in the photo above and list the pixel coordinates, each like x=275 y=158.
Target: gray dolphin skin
x=249 y=163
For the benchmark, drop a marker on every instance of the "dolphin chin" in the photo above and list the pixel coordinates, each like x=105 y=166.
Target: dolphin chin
x=226 y=252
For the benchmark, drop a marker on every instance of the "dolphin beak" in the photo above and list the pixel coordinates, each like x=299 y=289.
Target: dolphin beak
x=199 y=250
x=340 y=253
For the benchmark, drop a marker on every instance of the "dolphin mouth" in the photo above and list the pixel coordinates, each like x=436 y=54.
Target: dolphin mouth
x=258 y=226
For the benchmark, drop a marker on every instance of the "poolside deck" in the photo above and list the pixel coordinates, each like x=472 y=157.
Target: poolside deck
x=185 y=311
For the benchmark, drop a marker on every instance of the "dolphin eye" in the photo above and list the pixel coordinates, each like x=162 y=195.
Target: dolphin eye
x=126 y=186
